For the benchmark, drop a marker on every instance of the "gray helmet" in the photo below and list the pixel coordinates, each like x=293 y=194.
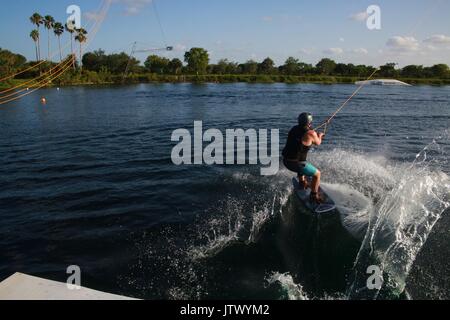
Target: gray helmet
x=305 y=119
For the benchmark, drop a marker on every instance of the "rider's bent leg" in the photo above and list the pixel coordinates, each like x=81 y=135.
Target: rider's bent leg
x=316 y=182
x=303 y=181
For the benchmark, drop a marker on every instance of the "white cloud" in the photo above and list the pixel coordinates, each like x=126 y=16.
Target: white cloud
x=267 y=19
x=133 y=7
x=438 y=39
x=360 y=51
x=333 y=51
x=399 y=43
x=360 y=16
x=341 y=39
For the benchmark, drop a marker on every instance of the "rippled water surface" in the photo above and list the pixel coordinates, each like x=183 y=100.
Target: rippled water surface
x=88 y=180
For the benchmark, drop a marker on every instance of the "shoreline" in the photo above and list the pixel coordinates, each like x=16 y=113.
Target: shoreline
x=116 y=80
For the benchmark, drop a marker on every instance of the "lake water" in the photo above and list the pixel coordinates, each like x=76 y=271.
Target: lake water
x=88 y=180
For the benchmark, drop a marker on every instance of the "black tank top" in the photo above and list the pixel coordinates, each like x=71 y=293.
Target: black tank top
x=294 y=149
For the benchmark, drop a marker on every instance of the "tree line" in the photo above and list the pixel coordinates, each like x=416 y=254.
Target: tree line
x=197 y=62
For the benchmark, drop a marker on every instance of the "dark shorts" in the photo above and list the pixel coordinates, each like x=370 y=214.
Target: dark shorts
x=301 y=168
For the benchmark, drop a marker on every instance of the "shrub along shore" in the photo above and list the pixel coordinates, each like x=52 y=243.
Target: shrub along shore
x=92 y=78
x=99 y=68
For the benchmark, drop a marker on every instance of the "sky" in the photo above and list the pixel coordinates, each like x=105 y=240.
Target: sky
x=412 y=31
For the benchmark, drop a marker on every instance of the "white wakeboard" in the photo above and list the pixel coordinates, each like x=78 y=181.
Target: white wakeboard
x=328 y=205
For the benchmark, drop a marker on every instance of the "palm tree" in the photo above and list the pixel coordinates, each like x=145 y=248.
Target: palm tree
x=71 y=31
x=81 y=38
x=49 y=23
x=37 y=20
x=58 y=29
x=35 y=36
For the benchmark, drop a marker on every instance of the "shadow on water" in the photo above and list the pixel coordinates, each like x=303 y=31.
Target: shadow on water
x=316 y=251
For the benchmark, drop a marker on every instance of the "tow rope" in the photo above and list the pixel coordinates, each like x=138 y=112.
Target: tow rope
x=328 y=121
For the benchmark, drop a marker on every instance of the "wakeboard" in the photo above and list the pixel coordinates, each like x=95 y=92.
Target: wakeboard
x=327 y=206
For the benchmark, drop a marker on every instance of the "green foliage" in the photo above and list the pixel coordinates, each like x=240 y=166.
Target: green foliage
x=94 y=61
x=49 y=21
x=326 y=66
x=10 y=62
x=101 y=68
x=440 y=71
x=58 y=29
x=412 y=71
x=197 y=60
x=81 y=35
x=175 y=66
x=36 y=19
x=388 y=70
x=290 y=67
x=224 y=67
x=114 y=63
x=34 y=34
x=267 y=67
x=250 y=67
x=157 y=64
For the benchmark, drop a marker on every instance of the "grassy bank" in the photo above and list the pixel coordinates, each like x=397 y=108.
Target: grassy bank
x=93 y=78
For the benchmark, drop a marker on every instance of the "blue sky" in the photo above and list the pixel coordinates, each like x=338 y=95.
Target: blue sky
x=413 y=31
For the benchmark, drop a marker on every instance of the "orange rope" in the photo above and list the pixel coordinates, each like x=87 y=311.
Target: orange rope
x=57 y=75
x=32 y=80
x=54 y=54
x=103 y=8
x=59 y=66
x=66 y=65
x=36 y=65
x=23 y=71
x=346 y=102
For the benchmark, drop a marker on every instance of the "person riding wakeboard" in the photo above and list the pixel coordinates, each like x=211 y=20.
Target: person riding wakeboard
x=300 y=140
